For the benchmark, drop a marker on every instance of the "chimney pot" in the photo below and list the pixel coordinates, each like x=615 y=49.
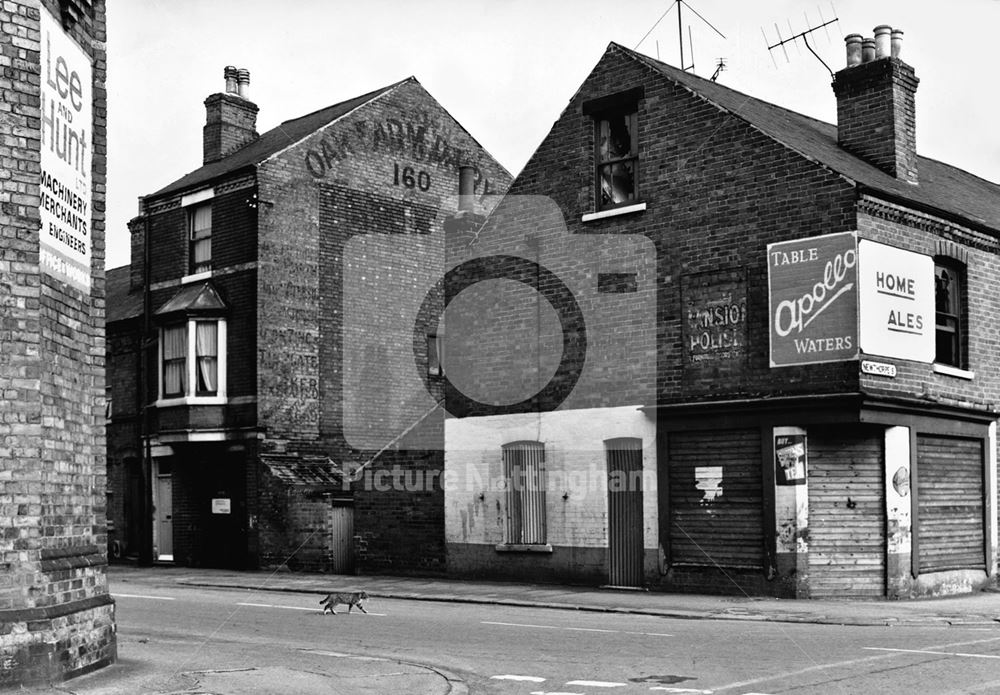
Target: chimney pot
x=867 y=50
x=230 y=74
x=882 y=41
x=853 y=49
x=897 y=42
x=243 y=82
x=876 y=118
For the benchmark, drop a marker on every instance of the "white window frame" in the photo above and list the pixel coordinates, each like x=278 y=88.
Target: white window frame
x=191 y=397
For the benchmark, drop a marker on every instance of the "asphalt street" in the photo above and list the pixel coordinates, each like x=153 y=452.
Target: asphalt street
x=212 y=640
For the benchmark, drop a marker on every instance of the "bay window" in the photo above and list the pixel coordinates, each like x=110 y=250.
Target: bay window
x=192 y=361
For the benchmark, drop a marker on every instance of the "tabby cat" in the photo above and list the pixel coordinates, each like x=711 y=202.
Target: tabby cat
x=350 y=598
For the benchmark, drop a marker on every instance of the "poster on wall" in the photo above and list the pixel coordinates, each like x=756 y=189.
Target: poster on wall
x=790 y=459
x=67 y=134
x=813 y=299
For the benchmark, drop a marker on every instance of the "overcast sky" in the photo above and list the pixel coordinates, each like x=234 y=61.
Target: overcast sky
x=506 y=69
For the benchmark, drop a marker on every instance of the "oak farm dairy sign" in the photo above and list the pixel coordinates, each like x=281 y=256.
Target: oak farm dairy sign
x=813 y=298
x=67 y=107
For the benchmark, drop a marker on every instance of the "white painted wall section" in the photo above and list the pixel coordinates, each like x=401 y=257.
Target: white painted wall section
x=576 y=473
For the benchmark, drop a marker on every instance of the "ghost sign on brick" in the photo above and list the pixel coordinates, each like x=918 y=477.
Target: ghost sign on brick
x=897 y=302
x=813 y=299
x=67 y=133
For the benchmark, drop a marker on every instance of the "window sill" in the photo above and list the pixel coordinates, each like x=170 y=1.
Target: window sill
x=948 y=370
x=613 y=212
x=195 y=277
x=191 y=400
x=523 y=548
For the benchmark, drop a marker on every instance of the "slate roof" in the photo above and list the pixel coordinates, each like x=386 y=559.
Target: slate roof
x=193 y=299
x=942 y=187
x=311 y=471
x=121 y=303
x=271 y=142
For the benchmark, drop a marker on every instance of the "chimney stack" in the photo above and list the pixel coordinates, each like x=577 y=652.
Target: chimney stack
x=876 y=119
x=230 y=117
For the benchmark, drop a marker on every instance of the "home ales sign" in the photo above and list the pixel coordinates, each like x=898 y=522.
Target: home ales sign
x=832 y=298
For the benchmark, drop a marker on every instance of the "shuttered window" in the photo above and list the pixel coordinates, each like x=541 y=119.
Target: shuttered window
x=524 y=472
x=716 y=506
x=949 y=491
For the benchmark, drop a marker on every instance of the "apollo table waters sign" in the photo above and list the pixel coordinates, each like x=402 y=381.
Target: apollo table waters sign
x=813 y=293
x=67 y=124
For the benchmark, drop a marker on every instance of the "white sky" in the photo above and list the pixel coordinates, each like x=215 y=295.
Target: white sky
x=506 y=69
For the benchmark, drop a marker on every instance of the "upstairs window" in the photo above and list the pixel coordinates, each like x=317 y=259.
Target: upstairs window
x=949 y=280
x=617 y=149
x=200 y=235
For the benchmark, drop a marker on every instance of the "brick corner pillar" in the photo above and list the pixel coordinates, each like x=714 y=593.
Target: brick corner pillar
x=56 y=616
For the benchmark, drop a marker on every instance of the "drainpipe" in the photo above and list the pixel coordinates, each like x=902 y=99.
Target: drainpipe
x=146 y=506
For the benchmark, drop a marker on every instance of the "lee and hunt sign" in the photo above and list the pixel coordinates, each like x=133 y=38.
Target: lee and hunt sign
x=833 y=296
x=65 y=210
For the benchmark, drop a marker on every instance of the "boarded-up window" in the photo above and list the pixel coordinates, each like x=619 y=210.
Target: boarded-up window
x=949 y=491
x=524 y=471
x=716 y=508
x=846 y=512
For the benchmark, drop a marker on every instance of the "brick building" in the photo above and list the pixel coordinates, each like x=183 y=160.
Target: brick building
x=279 y=285
x=56 y=617
x=757 y=350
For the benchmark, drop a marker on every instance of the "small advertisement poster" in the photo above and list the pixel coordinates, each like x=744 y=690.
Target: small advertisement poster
x=790 y=459
x=67 y=123
x=897 y=302
x=813 y=299
x=221 y=505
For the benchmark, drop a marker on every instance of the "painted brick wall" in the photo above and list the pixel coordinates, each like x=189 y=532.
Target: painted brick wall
x=56 y=616
x=388 y=172
x=576 y=503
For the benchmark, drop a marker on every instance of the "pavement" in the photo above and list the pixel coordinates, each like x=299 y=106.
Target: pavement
x=980 y=608
x=143 y=670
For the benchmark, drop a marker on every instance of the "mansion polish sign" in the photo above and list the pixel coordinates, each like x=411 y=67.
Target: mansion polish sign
x=833 y=297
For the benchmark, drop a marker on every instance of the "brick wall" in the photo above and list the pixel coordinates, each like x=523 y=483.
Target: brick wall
x=390 y=167
x=56 y=616
x=717 y=192
x=980 y=252
x=231 y=122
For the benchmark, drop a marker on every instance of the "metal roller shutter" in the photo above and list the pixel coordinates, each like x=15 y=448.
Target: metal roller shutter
x=625 y=519
x=524 y=469
x=846 y=513
x=950 y=503
x=716 y=514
